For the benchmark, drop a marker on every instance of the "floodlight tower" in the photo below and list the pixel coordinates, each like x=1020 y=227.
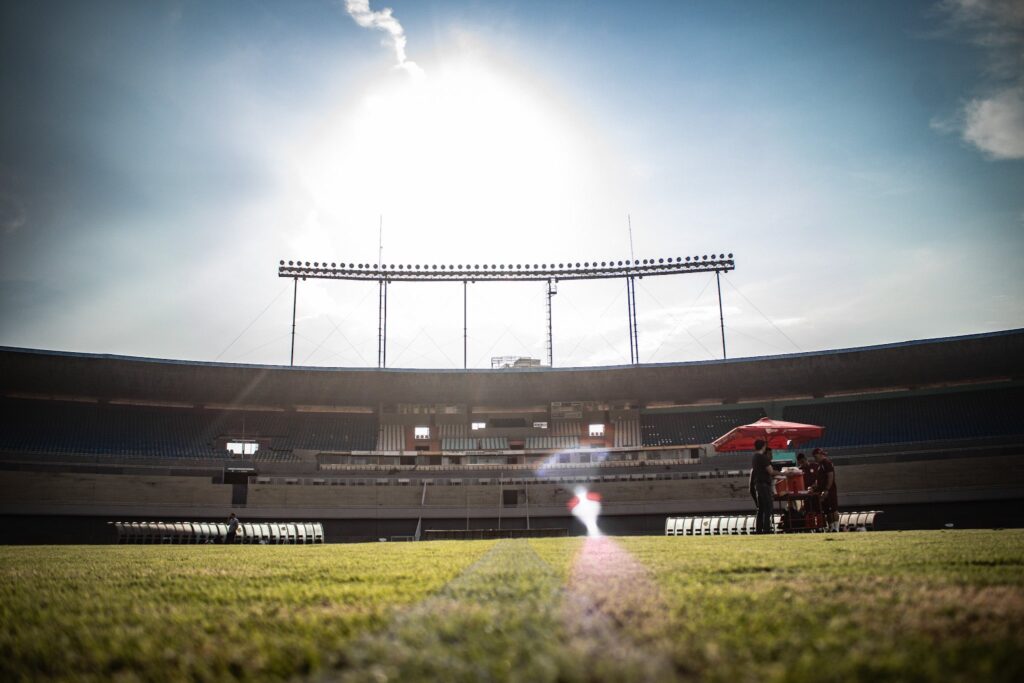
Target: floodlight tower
x=552 y=290
x=382 y=303
x=634 y=341
x=549 y=273
x=465 y=324
x=295 y=301
x=721 y=317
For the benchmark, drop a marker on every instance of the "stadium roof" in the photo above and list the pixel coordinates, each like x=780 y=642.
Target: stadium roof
x=972 y=358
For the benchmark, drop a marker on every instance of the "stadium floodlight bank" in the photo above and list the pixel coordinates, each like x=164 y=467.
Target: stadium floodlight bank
x=550 y=273
x=586 y=270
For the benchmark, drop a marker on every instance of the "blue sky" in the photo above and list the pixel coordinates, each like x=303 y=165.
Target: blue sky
x=864 y=161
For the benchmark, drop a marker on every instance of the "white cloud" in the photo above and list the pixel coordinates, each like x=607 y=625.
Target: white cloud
x=989 y=23
x=995 y=125
x=383 y=20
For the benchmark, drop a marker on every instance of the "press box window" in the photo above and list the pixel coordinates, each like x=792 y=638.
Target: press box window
x=597 y=430
x=243 y=447
x=422 y=432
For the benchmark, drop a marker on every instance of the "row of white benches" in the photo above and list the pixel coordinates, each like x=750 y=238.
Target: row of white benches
x=263 y=533
x=741 y=525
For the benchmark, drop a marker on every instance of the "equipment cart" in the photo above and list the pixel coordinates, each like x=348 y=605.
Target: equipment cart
x=799 y=509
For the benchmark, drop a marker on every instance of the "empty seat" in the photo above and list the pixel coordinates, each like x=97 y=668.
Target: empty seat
x=961 y=414
x=54 y=426
x=695 y=427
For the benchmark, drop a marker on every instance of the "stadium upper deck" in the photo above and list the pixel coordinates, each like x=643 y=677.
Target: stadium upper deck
x=935 y=362
x=58 y=403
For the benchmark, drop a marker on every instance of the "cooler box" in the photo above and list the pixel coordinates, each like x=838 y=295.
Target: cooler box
x=795 y=482
x=781 y=486
x=814 y=520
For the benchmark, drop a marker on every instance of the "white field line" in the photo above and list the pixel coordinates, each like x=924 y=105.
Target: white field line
x=509 y=617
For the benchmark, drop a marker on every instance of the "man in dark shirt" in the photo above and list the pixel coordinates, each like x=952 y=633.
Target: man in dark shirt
x=826 y=488
x=761 y=475
x=232 y=528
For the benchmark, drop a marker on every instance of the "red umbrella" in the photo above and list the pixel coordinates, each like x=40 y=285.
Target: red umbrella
x=778 y=434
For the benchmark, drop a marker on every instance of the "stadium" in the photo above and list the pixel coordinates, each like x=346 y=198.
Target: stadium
x=798 y=462
x=928 y=433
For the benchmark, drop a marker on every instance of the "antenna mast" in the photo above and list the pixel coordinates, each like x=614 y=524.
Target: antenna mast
x=382 y=301
x=629 y=221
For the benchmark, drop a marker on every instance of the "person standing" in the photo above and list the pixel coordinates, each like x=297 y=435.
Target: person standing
x=809 y=469
x=811 y=506
x=232 y=529
x=761 y=476
x=826 y=488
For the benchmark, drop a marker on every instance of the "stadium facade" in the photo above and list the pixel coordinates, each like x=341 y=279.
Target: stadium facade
x=930 y=432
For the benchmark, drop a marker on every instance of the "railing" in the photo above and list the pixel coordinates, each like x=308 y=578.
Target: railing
x=743 y=525
x=258 y=533
x=494 y=481
x=347 y=467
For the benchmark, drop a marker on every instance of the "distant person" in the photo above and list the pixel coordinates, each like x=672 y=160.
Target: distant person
x=825 y=486
x=812 y=506
x=761 y=476
x=809 y=469
x=232 y=528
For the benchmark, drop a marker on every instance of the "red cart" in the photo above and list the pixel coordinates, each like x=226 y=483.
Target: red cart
x=801 y=511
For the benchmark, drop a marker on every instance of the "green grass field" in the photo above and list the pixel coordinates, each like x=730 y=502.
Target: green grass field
x=882 y=605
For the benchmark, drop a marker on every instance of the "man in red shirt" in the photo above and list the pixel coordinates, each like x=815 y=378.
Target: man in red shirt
x=809 y=468
x=825 y=486
x=812 y=506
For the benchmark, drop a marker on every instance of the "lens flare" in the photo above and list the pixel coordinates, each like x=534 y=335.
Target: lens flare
x=554 y=460
x=586 y=507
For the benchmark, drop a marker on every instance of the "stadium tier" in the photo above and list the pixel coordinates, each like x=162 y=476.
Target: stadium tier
x=90 y=427
x=925 y=431
x=696 y=427
x=957 y=414
x=77 y=427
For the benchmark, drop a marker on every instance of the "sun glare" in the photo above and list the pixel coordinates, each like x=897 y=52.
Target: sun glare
x=461 y=143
